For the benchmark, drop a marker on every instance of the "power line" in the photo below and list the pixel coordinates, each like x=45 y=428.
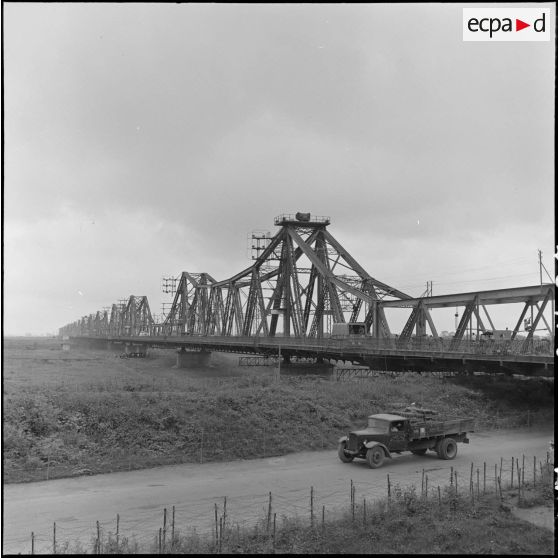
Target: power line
x=460 y=269
x=419 y=285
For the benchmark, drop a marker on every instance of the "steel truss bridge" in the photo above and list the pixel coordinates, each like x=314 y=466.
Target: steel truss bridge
x=302 y=282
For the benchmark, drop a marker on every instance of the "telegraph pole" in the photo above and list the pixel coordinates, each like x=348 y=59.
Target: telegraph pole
x=540 y=266
x=429 y=288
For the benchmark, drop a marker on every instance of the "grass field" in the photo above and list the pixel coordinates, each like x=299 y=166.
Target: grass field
x=89 y=411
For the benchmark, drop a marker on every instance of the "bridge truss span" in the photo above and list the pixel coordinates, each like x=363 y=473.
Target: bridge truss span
x=301 y=283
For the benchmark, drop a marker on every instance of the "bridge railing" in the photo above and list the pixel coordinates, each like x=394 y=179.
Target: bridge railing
x=425 y=345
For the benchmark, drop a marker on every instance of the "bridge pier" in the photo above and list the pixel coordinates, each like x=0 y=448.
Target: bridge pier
x=191 y=359
x=133 y=349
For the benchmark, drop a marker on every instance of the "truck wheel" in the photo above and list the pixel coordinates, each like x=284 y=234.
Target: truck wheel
x=447 y=448
x=375 y=457
x=419 y=451
x=341 y=453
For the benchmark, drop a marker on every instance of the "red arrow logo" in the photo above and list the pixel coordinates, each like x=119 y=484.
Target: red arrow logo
x=519 y=25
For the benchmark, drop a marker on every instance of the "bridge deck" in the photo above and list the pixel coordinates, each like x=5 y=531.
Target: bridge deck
x=417 y=354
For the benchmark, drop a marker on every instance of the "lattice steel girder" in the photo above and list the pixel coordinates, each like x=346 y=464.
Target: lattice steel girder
x=536 y=321
x=136 y=317
x=543 y=318
x=499 y=296
x=488 y=316
x=409 y=325
x=303 y=296
x=361 y=271
x=190 y=306
x=326 y=273
x=520 y=321
x=463 y=323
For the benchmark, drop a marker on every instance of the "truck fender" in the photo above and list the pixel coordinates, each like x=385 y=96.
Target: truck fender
x=343 y=439
x=369 y=445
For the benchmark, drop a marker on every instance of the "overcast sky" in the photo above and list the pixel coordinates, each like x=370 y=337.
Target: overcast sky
x=144 y=140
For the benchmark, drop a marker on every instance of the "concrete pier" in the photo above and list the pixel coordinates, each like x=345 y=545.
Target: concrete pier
x=191 y=359
x=137 y=350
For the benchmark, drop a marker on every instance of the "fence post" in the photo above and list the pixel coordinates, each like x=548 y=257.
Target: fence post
x=353 y=500
x=216 y=526
x=534 y=470
x=164 y=528
x=455 y=472
x=484 y=479
x=426 y=487
x=32 y=542
x=98 y=538
x=518 y=483
x=172 y=532
x=224 y=512
x=117 y=529
x=422 y=485
x=478 y=483
x=269 y=512
x=323 y=519
x=389 y=489
x=511 y=484
x=471 y=488
x=496 y=477
x=364 y=511
x=439 y=497
x=274 y=528
x=160 y=540
x=220 y=534
x=451 y=477
x=312 y=507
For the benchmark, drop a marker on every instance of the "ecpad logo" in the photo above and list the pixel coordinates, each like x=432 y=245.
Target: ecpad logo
x=506 y=24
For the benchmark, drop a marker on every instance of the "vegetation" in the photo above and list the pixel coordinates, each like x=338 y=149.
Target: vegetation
x=407 y=523
x=78 y=412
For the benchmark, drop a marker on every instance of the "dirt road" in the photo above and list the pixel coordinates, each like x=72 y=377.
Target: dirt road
x=139 y=497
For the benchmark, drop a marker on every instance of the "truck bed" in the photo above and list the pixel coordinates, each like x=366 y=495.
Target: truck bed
x=429 y=424
x=429 y=429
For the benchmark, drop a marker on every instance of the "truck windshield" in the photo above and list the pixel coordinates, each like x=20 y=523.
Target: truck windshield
x=378 y=424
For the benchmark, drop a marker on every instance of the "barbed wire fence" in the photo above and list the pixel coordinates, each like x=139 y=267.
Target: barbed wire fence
x=226 y=521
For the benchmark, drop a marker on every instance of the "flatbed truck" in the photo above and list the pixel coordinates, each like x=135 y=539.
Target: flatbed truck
x=413 y=429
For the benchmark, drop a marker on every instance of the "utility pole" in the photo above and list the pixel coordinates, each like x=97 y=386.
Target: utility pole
x=540 y=266
x=429 y=288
